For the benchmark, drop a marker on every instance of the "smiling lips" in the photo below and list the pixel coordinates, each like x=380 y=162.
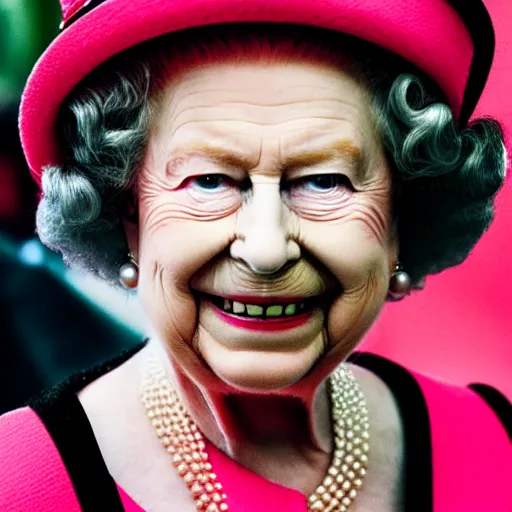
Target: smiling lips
x=268 y=316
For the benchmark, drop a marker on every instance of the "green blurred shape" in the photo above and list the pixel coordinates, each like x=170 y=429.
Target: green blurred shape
x=26 y=28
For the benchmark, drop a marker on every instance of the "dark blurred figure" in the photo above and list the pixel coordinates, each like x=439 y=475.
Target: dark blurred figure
x=18 y=192
x=47 y=330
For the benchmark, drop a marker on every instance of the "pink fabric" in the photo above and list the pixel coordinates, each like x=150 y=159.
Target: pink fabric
x=34 y=478
x=70 y=7
x=428 y=33
x=128 y=504
x=248 y=492
x=466 y=436
x=472 y=463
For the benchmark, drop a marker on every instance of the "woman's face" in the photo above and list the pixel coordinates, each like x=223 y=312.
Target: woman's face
x=265 y=240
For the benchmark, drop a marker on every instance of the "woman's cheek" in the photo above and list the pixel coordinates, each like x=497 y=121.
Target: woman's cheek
x=205 y=205
x=329 y=206
x=191 y=204
x=346 y=248
x=182 y=231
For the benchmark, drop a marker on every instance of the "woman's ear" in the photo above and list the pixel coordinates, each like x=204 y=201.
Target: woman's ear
x=130 y=220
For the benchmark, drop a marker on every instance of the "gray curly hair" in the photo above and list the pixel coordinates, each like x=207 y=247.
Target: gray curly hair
x=444 y=178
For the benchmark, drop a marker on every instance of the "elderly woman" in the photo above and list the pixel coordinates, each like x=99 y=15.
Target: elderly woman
x=265 y=186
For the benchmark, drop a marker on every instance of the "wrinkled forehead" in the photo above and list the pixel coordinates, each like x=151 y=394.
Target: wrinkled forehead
x=301 y=112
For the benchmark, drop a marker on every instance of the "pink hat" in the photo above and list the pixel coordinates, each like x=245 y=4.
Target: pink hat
x=451 y=40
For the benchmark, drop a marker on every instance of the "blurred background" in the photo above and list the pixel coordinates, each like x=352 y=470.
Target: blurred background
x=52 y=323
x=55 y=321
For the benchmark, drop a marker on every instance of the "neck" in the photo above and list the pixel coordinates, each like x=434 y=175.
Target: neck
x=236 y=421
x=244 y=424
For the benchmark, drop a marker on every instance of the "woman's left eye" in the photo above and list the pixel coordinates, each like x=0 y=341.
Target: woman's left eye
x=325 y=182
x=210 y=181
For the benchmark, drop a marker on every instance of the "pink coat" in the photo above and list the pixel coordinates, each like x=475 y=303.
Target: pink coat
x=458 y=455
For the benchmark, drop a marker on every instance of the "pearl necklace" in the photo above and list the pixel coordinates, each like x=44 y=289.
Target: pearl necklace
x=182 y=439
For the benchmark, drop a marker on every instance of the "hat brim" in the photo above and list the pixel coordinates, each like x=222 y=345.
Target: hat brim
x=429 y=34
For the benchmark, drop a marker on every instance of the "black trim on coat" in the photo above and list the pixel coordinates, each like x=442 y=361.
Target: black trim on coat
x=498 y=403
x=417 y=473
x=70 y=429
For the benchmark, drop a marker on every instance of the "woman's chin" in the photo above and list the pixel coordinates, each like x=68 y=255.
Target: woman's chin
x=261 y=371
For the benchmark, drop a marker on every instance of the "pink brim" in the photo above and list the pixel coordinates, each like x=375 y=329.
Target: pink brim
x=429 y=34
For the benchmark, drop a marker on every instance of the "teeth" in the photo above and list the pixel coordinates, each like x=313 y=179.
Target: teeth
x=253 y=310
x=274 y=311
x=238 y=307
x=290 y=309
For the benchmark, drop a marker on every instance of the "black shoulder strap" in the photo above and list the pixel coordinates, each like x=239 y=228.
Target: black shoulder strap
x=68 y=425
x=418 y=468
x=72 y=434
x=498 y=403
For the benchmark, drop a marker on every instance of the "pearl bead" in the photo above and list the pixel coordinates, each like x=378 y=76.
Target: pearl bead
x=196 y=490
x=399 y=285
x=189 y=478
x=129 y=275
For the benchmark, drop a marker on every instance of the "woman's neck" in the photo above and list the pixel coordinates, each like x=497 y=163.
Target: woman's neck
x=266 y=433
x=240 y=423
x=271 y=435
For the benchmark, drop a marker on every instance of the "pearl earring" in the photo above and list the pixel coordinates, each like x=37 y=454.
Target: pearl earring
x=399 y=285
x=129 y=274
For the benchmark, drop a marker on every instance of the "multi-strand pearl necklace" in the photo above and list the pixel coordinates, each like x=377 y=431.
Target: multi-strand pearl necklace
x=184 y=442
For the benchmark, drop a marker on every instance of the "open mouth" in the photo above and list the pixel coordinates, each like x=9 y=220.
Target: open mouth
x=267 y=311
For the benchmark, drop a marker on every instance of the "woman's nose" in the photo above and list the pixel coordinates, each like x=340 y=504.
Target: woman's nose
x=264 y=240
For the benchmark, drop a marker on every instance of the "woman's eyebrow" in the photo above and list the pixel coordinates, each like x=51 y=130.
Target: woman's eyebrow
x=215 y=154
x=343 y=149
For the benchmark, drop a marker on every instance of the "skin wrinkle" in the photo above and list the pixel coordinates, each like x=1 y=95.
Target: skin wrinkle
x=370 y=294
x=301 y=279
x=180 y=210
x=372 y=219
x=183 y=206
x=349 y=207
x=178 y=98
x=332 y=208
x=374 y=211
x=325 y=115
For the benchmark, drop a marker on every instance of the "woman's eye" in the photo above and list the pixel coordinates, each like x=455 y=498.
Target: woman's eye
x=210 y=181
x=325 y=182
